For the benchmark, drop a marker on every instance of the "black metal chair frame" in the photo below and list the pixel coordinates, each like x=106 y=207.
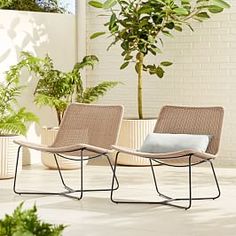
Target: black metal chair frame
x=169 y=200
x=69 y=190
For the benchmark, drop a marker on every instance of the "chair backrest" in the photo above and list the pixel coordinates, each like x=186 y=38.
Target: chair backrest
x=96 y=125
x=192 y=120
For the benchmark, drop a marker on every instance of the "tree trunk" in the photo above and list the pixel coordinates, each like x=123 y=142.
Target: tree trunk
x=139 y=69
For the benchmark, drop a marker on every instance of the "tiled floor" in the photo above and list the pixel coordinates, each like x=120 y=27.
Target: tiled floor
x=96 y=215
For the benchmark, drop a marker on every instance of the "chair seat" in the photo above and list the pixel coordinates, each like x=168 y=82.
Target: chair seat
x=178 y=157
x=62 y=149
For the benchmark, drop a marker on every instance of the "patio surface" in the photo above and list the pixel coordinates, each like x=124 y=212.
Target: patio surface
x=96 y=215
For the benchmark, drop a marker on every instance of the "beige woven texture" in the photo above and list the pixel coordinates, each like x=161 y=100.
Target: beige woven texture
x=186 y=120
x=94 y=127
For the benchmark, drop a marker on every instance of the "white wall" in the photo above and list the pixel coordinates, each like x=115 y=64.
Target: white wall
x=38 y=33
x=203 y=73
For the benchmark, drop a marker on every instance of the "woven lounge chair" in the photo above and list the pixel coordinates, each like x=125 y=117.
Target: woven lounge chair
x=86 y=132
x=181 y=120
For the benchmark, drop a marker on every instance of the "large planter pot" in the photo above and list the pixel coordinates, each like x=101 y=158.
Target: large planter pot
x=8 y=152
x=48 y=135
x=132 y=135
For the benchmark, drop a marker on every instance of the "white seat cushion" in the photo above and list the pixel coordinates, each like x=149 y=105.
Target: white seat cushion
x=162 y=142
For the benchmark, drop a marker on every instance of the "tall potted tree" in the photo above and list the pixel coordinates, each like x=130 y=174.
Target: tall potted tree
x=13 y=120
x=57 y=89
x=139 y=26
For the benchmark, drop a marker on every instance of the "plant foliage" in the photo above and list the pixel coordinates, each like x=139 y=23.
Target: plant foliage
x=139 y=26
x=57 y=89
x=32 y=5
x=13 y=120
x=26 y=223
x=5 y=3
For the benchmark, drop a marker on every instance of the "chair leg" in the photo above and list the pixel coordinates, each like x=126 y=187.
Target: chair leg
x=165 y=202
x=169 y=199
x=60 y=174
x=99 y=189
x=15 y=179
x=69 y=190
x=16 y=170
x=216 y=181
x=201 y=198
x=155 y=181
x=65 y=193
x=113 y=179
x=109 y=161
x=189 y=181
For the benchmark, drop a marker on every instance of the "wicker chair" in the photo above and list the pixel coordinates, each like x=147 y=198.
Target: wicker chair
x=86 y=132
x=185 y=120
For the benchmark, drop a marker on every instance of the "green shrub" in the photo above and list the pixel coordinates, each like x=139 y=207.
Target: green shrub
x=57 y=89
x=13 y=119
x=26 y=223
x=32 y=5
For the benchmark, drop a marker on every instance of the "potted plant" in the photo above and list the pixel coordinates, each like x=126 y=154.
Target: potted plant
x=32 y=5
x=57 y=89
x=26 y=222
x=140 y=27
x=13 y=121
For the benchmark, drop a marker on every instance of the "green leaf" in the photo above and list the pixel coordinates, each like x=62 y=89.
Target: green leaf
x=128 y=57
x=125 y=64
x=92 y=94
x=203 y=15
x=109 y=4
x=167 y=33
x=214 y=9
x=202 y=1
x=145 y=9
x=89 y=60
x=152 y=69
x=166 y=63
x=178 y=28
x=95 y=4
x=221 y=3
x=198 y=19
x=154 y=47
x=97 y=34
x=112 y=23
x=181 y=11
x=152 y=51
x=185 y=2
x=160 y=72
x=170 y=25
x=125 y=45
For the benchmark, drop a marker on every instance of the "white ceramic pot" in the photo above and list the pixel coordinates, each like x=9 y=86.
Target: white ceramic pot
x=132 y=135
x=48 y=136
x=8 y=152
